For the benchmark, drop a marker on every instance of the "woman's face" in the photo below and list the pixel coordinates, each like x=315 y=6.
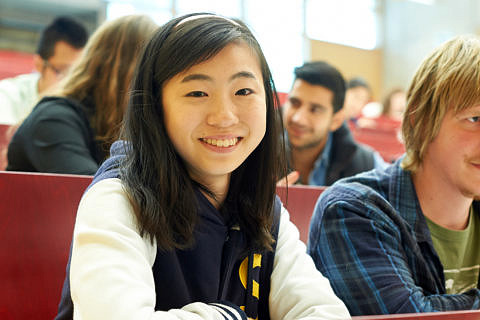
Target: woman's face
x=215 y=114
x=398 y=103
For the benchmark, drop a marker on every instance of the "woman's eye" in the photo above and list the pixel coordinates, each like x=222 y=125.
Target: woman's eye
x=196 y=94
x=474 y=119
x=244 y=92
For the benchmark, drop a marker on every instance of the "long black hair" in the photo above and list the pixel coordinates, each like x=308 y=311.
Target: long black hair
x=154 y=175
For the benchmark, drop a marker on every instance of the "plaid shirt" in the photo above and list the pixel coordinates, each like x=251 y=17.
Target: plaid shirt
x=369 y=236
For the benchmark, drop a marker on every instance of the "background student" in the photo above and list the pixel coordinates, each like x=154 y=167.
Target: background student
x=394 y=104
x=358 y=94
x=72 y=130
x=406 y=239
x=182 y=221
x=60 y=44
x=320 y=146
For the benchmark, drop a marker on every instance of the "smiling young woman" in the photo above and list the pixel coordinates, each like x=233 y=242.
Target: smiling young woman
x=182 y=221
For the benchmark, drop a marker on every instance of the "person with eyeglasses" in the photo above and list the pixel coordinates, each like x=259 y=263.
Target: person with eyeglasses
x=70 y=129
x=60 y=44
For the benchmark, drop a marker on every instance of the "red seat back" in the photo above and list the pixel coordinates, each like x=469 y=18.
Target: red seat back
x=385 y=141
x=300 y=202
x=37 y=215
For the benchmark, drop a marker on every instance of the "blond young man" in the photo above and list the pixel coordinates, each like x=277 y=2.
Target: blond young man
x=406 y=239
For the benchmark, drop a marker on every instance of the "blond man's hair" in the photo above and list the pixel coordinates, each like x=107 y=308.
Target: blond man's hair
x=449 y=78
x=100 y=78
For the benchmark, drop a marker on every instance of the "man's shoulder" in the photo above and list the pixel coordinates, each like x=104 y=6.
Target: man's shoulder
x=371 y=188
x=366 y=155
x=360 y=187
x=349 y=157
x=343 y=141
x=365 y=149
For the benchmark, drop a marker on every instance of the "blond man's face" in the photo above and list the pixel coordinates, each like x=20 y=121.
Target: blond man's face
x=454 y=154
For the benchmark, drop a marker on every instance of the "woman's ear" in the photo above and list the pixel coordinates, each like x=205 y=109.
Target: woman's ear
x=337 y=119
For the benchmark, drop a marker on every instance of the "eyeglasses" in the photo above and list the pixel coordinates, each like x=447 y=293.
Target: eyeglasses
x=58 y=72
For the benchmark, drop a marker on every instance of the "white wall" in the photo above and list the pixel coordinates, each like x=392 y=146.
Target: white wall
x=413 y=30
x=21 y=21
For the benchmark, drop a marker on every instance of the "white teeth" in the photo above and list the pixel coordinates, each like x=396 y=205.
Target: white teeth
x=221 y=143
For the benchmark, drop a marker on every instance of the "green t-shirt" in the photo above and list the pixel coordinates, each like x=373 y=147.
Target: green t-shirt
x=459 y=253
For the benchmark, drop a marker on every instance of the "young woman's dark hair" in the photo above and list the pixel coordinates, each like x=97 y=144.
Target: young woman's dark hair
x=156 y=180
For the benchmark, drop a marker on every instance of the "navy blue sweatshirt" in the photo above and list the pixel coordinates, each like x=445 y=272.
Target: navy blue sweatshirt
x=217 y=269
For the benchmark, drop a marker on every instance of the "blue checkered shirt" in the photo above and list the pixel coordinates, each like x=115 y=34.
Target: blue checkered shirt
x=368 y=235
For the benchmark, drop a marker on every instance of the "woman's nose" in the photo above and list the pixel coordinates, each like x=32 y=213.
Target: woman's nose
x=222 y=113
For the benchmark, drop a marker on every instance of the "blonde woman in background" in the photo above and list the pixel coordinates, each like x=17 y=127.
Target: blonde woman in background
x=71 y=130
x=395 y=104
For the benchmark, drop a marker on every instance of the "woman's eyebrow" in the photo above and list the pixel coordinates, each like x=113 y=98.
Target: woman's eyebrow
x=196 y=76
x=201 y=76
x=243 y=74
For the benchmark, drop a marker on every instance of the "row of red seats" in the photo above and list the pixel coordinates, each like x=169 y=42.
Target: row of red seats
x=383 y=136
x=36 y=226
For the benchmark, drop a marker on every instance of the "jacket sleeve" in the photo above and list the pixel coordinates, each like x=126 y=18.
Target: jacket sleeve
x=298 y=290
x=59 y=142
x=363 y=254
x=111 y=265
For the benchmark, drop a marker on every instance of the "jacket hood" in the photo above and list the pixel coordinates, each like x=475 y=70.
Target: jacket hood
x=110 y=168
